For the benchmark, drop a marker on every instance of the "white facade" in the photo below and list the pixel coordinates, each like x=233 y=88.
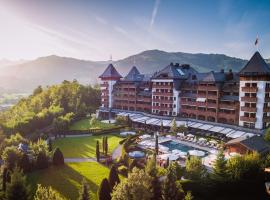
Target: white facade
x=259 y=105
x=176 y=102
x=110 y=89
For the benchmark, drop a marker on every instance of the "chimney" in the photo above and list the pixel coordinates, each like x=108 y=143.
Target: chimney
x=176 y=65
x=171 y=63
x=229 y=75
x=222 y=70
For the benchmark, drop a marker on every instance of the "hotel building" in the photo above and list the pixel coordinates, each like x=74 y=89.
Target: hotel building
x=240 y=99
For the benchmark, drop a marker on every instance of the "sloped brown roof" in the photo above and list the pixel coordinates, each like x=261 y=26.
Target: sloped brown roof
x=110 y=72
x=255 y=66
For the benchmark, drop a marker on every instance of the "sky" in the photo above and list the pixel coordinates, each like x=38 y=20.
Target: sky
x=96 y=29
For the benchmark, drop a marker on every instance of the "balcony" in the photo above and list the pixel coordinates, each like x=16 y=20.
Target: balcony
x=266 y=119
x=163 y=86
x=201 y=104
x=266 y=109
x=248 y=119
x=267 y=99
x=267 y=89
x=249 y=99
x=207 y=87
x=211 y=105
x=248 y=109
x=227 y=106
x=162 y=108
x=249 y=89
x=212 y=96
x=201 y=95
x=189 y=111
x=227 y=116
x=163 y=93
x=163 y=101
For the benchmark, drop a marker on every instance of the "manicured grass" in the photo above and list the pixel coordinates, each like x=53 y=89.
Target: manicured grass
x=84 y=124
x=84 y=147
x=67 y=179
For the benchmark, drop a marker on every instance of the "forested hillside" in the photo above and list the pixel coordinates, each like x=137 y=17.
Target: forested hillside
x=52 y=105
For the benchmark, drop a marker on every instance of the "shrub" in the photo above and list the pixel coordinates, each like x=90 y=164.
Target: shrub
x=123 y=170
x=43 y=193
x=42 y=161
x=10 y=156
x=104 y=190
x=58 y=158
x=25 y=164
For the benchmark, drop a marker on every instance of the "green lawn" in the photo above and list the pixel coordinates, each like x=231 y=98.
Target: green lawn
x=67 y=179
x=84 y=147
x=84 y=124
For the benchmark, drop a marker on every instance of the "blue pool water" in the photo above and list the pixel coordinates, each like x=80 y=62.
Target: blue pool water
x=175 y=145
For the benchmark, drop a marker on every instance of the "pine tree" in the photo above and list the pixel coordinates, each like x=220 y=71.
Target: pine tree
x=17 y=188
x=167 y=162
x=106 y=146
x=42 y=161
x=58 y=158
x=156 y=145
x=113 y=177
x=84 y=193
x=172 y=189
x=25 y=164
x=50 y=148
x=103 y=145
x=219 y=168
x=174 y=126
x=4 y=178
x=97 y=151
x=161 y=127
x=104 y=190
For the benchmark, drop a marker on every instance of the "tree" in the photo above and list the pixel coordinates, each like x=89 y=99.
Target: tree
x=84 y=193
x=161 y=127
x=104 y=190
x=156 y=145
x=219 y=168
x=38 y=90
x=113 y=177
x=10 y=156
x=267 y=135
x=50 y=147
x=136 y=187
x=42 y=161
x=97 y=151
x=43 y=193
x=4 y=179
x=24 y=163
x=106 y=146
x=58 y=158
x=151 y=170
x=174 y=126
x=172 y=189
x=194 y=168
x=38 y=147
x=188 y=196
x=103 y=144
x=17 y=188
x=167 y=162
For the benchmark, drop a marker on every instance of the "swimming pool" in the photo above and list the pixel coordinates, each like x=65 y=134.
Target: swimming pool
x=175 y=145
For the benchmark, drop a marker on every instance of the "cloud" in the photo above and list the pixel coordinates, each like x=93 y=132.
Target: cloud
x=154 y=13
x=101 y=20
x=120 y=30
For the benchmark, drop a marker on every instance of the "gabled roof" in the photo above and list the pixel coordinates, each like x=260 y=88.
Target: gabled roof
x=211 y=77
x=256 y=66
x=175 y=72
x=110 y=72
x=134 y=75
x=255 y=143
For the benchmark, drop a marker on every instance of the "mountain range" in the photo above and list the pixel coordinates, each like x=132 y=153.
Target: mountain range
x=25 y=76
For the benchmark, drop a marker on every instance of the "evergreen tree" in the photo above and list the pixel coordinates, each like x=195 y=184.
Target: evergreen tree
x=151 y=170
x=195 y=169
x=161 y=127
x=219 y=169
x=104 y=190
x=42 y=161
x=103 y=145
x=106 y=146
x=97 y=151
x=156 y=145
x=50 y=148
x=188 y=196
x=17 y=188
x=4 y=178
x=25 y=164
x=84 y=193
x=167 y=162
x=174 y=126
x=113 y=177
x=172 y=189
x=58 y=158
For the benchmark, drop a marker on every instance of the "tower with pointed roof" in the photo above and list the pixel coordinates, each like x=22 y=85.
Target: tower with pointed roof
x=108 y=78
x=254 y=92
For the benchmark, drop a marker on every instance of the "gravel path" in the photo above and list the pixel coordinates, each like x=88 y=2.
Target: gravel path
x=77 y=160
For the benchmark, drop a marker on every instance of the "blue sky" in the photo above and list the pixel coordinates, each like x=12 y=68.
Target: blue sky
x=95 y=29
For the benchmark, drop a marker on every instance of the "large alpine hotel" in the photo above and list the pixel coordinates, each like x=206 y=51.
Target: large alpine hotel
x=236 y=101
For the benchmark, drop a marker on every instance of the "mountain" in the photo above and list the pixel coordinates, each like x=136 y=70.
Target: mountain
x=24 y=77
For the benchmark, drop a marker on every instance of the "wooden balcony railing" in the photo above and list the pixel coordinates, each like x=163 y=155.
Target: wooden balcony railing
x=266 y=109
x=163 y=93
x=204 y=87
x=248 y=109
x=249 y=99
x=248 y=119
x=266 y=119
x=249 y=89
x=227 y=106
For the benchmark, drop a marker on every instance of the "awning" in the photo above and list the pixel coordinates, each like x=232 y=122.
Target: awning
x=206 y=126
x=216 y=129
x=201 y=99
